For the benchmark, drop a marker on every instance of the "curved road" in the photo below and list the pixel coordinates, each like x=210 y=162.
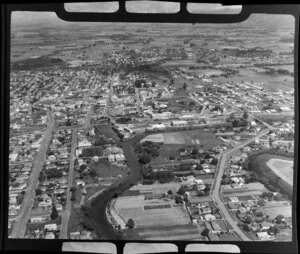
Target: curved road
x=217 y=184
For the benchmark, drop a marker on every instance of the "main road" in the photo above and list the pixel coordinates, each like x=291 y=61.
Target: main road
x=66 y=214
x=215 y=194
x=20 y=224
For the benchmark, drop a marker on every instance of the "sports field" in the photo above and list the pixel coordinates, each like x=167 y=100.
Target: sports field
x=164 y=221
x=134 y=207
x=282 y=168
x=204 y=139
x=286 y=211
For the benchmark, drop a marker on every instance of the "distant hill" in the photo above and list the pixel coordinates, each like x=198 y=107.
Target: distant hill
x=40 y=62
x=269 y=21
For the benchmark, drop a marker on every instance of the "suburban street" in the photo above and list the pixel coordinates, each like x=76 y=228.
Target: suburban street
x=20 y=224
x=87 y=98
x=66 y=214
x=215 y=194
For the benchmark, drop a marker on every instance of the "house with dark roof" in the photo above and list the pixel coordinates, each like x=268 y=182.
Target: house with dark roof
x=213 y=237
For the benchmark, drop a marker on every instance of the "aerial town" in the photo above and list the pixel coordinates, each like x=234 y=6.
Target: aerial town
x=151 y=132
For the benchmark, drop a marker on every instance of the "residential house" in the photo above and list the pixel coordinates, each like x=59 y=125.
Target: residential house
x=205 y=210
x=119 y=157
x=216 y=227
x=84 y=143
x=50 y=227
x=242 y=210
x=265 y=225
x=12 y=212
x=80 y=182
x=263 y=235
x=209 y=217
x=233 y=206
x=233 y=199
x=59 y=207
x=50 y=235
x=75 y=235
x=213 y=237
x=208 y=226
x=111 y=158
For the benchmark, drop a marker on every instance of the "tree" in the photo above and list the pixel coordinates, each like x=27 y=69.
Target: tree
x=73 y=196
x=279 y=218
x=214 y=161
x=178 y=199
x=19 y=198
x=200 y=193
x=86 y=225
x=54 y=213
x=85 y=210
x=261 y=202
x=207 y=188
x=130 y=223
x=170 y=192
x=82 y=167
x=273 y=230
x=182 y=190
x=93 y=173
x=205 y=232
x=259 y=214
x=145 y=158
x=246 y=227
x=248 y=219
x=38 y=191
x=199 y=167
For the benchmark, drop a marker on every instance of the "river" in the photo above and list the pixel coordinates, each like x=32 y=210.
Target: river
x=103 y=228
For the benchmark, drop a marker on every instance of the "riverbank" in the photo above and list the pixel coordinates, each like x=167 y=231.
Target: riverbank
x=104 y=229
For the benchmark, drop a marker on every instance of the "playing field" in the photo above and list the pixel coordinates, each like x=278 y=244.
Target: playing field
x=204 y=139
x=286 y=211
x=282 y=168
x=164 y=221
x=174 y=138
x=133 y=207
x=157 y=138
